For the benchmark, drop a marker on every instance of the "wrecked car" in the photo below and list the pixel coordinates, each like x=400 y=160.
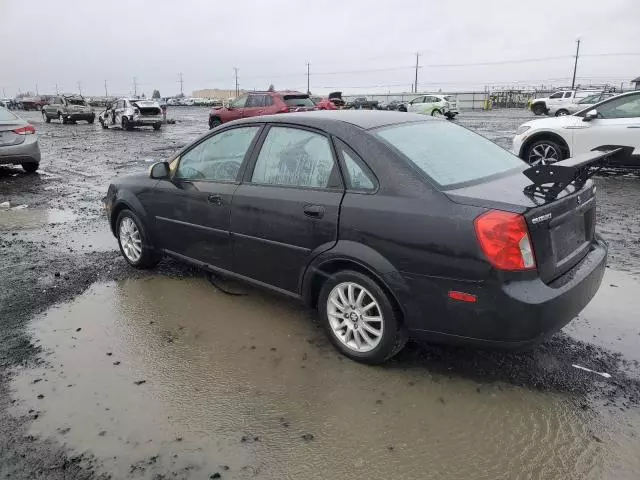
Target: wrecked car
x=132 y=112
x=68 y=109
x=391 y=226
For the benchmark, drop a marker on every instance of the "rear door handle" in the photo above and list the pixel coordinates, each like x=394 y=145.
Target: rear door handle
x=633 y=126
x=215 y=199
x=314 y=211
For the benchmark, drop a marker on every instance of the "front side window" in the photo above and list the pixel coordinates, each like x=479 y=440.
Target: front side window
x=239 y=102
x=218 y=158
x=447 y=153
x=256 y=101
x=622 y=107
x=294 y=157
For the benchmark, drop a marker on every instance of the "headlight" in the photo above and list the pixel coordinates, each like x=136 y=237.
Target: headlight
x=522 y=129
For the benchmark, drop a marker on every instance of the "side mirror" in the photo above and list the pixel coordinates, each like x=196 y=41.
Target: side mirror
x=160 y=171
x=591 y=114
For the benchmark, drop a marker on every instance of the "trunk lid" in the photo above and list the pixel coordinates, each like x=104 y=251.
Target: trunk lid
x=7 y=136
x=561 y=230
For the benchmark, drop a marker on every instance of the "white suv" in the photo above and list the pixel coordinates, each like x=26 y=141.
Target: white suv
x=433 y=104
x=541 y=106
x=615 y=122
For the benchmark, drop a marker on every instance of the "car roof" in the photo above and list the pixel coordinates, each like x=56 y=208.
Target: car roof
x=324 y=119
x=278 y=92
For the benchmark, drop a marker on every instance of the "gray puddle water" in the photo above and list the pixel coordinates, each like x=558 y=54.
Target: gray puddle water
x=169 y=376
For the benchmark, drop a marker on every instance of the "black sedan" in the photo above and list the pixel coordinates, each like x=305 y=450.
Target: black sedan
x=392 y=225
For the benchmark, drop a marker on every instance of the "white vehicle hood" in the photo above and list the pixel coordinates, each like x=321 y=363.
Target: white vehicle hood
x=555 y=123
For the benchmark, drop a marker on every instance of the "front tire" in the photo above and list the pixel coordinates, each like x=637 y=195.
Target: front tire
x=156 y=126
x=214 y=122
x=543 y=152
x=91 y=119
x=46 y=117
x=126 y=125
x=133 y=241
x=62 y=119
x=359 y=318
x=436 y=113
x=30 y=167
x=538 y=109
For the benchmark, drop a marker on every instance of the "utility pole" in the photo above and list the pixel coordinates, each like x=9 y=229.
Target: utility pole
x=106 y=92
x=235 y=69
x=308 y=88
x=57 y=93
x=181 y=85
x=37 y=93
x=80 y=88
x=415 y=88
x=4 y=95
x=575 y=65
x=135 y=87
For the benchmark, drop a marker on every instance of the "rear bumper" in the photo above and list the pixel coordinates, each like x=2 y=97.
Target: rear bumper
x=514 y=314
x=80 y=116
x=26 y=152
x=141 y=121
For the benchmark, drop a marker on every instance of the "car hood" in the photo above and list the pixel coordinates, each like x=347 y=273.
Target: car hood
x=565 y=121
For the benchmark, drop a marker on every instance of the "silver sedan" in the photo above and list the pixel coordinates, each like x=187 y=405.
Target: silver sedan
x=18 y=142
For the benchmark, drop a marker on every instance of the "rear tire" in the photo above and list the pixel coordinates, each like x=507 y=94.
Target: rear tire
x=30 y=167
x=562 y=112
x=156 y=126
x=62 y=119
x=45 y=117
x=91 y=119
x=134 y=241
x=215 y=122
x=348 y=332
x=126 y=125
x=103 y=123
x=436 y=113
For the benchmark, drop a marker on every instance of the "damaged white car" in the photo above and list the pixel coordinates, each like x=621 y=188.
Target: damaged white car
x=131 y=112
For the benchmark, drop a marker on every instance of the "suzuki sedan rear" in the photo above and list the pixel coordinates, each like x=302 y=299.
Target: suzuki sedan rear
x=392 y=225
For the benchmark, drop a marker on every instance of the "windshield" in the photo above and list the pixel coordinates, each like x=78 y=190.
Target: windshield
x=447 y=153
x=590 y=99
x=298 y=101
x=450 y=98
x=6 y=115
x=76 y=101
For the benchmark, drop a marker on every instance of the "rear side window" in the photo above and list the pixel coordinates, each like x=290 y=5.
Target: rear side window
x=298 y=101
x=447 y=153
x=6 y=115
x=567 y=95
x=294 y=157
x=357 y=175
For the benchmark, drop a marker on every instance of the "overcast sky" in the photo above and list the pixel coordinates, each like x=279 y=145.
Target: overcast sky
x=64 y=42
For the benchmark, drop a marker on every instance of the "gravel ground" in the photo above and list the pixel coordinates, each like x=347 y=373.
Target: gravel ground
x=60 y=245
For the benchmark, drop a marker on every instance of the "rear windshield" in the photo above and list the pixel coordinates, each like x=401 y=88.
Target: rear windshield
x=76 y=101
x=6 y=115
x=298 y=101
x=449 y=154
x=449 y=98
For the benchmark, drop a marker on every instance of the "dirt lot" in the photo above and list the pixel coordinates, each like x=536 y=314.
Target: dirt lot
x=106 y=372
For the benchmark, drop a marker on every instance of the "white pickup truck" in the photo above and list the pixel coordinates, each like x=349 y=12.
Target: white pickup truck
x=541 y=106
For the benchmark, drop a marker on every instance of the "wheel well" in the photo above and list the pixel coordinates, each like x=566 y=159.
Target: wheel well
x=326 y=270
x=554 y=137
x=114 y=215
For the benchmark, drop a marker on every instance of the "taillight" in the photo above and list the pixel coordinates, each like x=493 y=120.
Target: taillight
x=284 y=109
x=504 y=239
x=28 y=130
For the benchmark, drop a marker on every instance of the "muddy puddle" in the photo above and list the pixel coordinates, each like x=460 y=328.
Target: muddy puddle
x=172 y=377
x=24 y=217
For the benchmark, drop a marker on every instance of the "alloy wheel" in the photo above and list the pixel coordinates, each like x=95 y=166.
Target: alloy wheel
x=543 y=154
x=355 y=317
x=130 y=239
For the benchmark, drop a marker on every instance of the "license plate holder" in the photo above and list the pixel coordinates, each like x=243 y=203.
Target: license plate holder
x=568 y=237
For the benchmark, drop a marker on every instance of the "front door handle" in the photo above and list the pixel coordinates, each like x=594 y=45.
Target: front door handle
x=633 y=126
x=314 y=211
x=215 y=199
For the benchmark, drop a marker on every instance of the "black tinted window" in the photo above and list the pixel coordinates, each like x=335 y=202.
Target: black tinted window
x=556 y=95
x=449 y=153
x=627 y=106
x=219 y=157
x=256 y=101
x=294 y=157
x=298 y=101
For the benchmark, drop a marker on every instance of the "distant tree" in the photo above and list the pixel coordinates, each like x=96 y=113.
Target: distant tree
x=155 y=94
x=143 y=95
x=271 y=88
